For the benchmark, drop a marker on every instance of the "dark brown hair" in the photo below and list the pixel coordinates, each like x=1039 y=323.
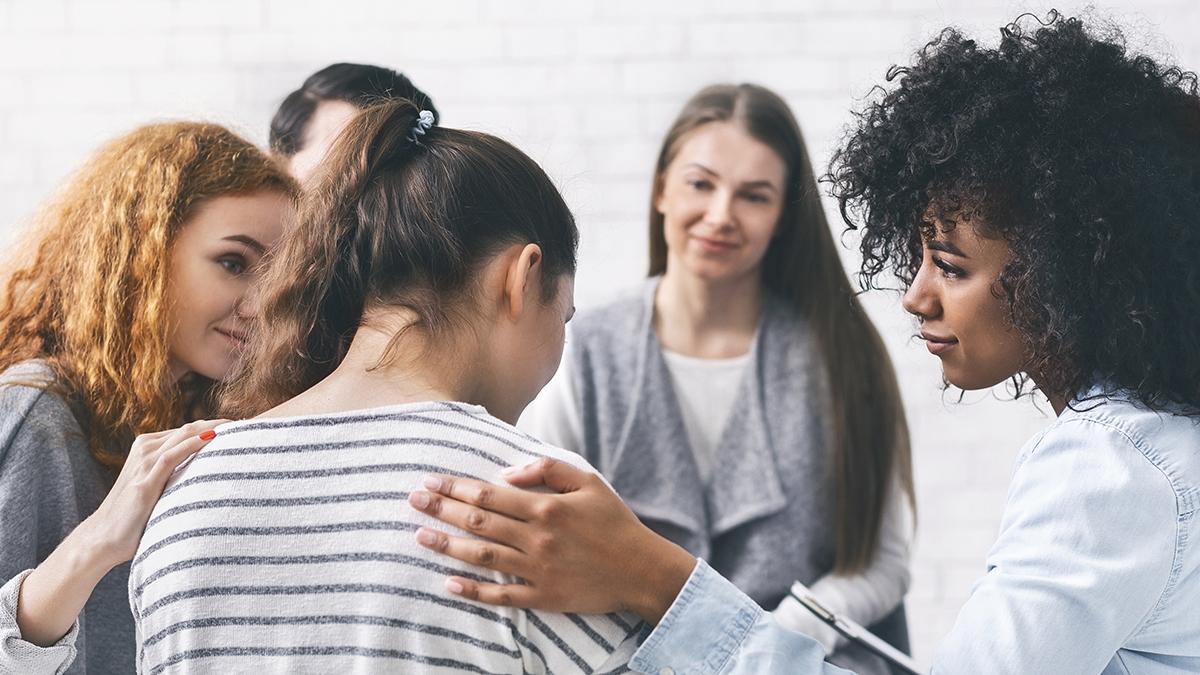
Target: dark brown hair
x=801 y=265
x=392 y=221
x=358 y=84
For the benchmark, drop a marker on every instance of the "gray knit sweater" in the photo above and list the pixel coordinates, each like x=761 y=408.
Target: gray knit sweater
x=49 y=482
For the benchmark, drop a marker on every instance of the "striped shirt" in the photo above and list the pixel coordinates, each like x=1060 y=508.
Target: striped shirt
x=287 y=545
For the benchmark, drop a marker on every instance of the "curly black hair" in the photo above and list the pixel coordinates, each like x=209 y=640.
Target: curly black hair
x=1084 y=158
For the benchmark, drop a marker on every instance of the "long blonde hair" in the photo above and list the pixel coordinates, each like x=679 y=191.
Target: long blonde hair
x=801 y=265
x=86 y=289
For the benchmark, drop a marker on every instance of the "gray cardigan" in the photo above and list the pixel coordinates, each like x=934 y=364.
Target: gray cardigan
x=49 y=482
x=766 y=518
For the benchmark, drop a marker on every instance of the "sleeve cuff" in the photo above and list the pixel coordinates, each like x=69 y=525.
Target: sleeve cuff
x=702 y=630
x=21 y=655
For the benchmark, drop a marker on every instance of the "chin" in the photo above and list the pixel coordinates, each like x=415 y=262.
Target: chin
x=971 y=381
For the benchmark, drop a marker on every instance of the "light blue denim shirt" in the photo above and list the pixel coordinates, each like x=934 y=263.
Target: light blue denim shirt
x=1096 y=569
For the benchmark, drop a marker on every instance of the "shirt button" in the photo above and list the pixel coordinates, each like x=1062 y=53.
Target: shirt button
x=668 y=670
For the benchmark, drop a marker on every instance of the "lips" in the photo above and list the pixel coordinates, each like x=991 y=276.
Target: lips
x=937 y=344
x=238 y=337
x=714 y=245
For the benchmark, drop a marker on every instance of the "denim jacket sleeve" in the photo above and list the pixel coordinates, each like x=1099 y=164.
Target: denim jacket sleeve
x=715 y=629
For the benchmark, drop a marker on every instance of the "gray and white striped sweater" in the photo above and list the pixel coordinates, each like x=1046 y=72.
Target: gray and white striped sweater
x=287 y=545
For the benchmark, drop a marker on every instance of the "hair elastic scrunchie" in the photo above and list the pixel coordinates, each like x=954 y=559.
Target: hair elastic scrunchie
x=423 y=124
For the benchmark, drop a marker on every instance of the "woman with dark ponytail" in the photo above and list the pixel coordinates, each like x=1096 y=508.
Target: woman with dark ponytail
x=418 y=305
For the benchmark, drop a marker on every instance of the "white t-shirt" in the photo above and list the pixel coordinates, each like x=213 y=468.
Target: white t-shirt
x=706 y=390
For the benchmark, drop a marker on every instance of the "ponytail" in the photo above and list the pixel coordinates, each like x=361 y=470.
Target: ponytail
x=401 y=214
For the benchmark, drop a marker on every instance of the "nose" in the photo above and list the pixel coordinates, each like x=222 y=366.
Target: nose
x=720 y=209
x=921 y=299
x=248 y=305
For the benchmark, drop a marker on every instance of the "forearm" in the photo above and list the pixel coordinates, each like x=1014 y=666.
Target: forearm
x=53 y=595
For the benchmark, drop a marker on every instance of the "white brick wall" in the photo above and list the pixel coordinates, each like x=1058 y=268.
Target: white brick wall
x=588 y=89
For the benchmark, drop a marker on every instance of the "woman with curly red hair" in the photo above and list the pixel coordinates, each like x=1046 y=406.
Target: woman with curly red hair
x=123 y=307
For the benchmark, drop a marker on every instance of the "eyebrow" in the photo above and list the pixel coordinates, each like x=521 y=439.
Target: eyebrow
x=749 y=184
x=945 y=246
x=248 y=241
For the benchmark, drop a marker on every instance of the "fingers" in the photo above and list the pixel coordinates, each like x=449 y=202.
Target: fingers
x=507 y=595
x=558 y=476
x=505 y=501
x=174 y=457
x=489 y=554
x=189 y=430
x=473 y=519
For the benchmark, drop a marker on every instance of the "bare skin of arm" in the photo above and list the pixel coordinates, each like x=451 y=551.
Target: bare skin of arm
x=579 y=550
x=53 y=595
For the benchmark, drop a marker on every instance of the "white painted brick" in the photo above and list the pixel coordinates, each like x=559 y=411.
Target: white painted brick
x=539 y=42
x=240 y=14
x=630 y=40
x=727 y=38
x=14 y=91
x=103 y=90
x=80 y=53
x=119 y=16
x=792 y=73
x=442 y=45
x=604 y=122
x=672 y=79
x=196 y=49
x=538 y=11
x=38 y=15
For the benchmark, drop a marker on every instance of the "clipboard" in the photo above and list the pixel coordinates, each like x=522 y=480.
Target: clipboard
x=854 y=632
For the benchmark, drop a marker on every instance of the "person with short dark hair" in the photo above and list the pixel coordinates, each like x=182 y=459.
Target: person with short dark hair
x=308 y=119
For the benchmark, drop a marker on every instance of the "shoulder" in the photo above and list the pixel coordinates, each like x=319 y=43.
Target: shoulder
x=617 y=316
x=532 y=446
x=31 y=410
x=1121 y=433
x=1114 y=464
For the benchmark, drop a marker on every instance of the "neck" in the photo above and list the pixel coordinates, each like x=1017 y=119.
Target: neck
x=1057 y=401
x=708 y=319
x=390 y=362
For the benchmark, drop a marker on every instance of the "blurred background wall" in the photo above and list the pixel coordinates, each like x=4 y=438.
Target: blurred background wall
x=587 y=88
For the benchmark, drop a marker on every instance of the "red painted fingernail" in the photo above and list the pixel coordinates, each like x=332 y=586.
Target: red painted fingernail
x=208 y=435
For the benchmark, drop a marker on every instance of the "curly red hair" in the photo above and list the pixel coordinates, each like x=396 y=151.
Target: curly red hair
x=87 y=289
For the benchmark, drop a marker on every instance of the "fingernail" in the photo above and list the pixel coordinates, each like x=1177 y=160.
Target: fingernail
x=432 y=483
x=419 y=499
x=208 y=435
x=454 y=587
x=509 y=470
x=425 y=537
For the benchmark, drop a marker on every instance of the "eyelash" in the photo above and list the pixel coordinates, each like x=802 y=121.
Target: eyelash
x=705 y=185
x=949 y=271
x=227 y=261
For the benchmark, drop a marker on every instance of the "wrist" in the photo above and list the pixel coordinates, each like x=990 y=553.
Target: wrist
x=666 y=568
x=89 y=552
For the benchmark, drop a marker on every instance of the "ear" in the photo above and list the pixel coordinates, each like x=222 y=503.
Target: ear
x=521 y=283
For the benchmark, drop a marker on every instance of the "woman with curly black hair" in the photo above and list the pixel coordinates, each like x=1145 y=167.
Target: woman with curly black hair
x=1040 y=201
